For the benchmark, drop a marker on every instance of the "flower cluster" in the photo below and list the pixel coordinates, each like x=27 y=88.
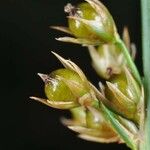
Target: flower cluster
x=113 y=112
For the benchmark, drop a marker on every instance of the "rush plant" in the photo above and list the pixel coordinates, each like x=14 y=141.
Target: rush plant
x=119 y=109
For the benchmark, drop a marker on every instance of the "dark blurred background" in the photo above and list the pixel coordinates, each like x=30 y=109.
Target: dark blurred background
x=26 y=42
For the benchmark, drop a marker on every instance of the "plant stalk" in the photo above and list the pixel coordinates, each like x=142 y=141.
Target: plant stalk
x=145 y=12
x=130 y=62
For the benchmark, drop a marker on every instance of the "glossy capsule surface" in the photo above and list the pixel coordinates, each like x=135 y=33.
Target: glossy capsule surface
x=102 y=27
x=56 y=89
x=80 y=30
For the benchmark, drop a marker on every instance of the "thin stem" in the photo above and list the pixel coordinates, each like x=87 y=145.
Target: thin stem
x=145 y=9
x=126 y=136
x=130 y=62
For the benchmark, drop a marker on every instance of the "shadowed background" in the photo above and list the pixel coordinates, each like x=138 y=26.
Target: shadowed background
x=25 y=44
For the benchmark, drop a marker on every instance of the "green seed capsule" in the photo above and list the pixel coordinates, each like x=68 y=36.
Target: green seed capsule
x=58 y=90
x=124 y=94
x=99 y=27
x=78 y=28
x=121 y=83
x=78 y=115
x=92 y=121
x=130 y=90
x=98 y=123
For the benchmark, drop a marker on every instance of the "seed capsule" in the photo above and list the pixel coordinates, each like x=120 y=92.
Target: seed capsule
x=61 y=84
x=78 y=28
x=91 y=125
x=91 y=21
x=124 y=94
x=79 y=116
x=94 y=121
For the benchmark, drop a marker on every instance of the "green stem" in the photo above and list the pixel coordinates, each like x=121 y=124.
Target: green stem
x=145 y=9
x=123 y=133
x=130 y=62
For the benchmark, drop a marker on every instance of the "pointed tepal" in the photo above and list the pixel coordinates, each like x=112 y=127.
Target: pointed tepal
x=44 y=77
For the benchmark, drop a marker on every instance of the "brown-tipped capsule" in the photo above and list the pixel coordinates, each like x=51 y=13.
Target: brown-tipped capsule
x=91 y=21
x=64 y=85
